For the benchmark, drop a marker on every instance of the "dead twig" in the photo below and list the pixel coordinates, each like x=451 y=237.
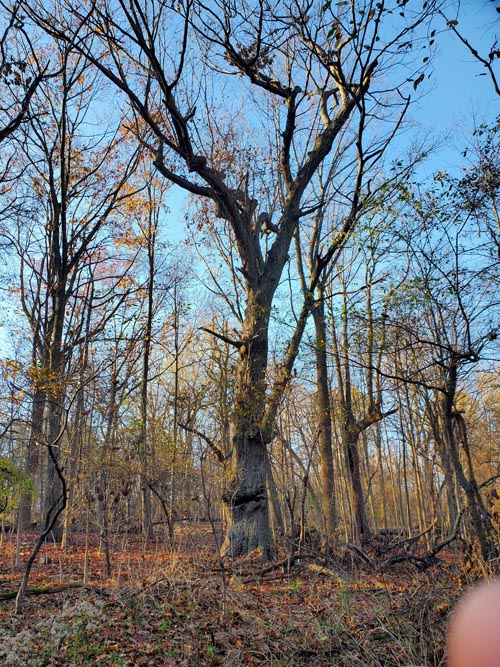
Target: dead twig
x=359 y=552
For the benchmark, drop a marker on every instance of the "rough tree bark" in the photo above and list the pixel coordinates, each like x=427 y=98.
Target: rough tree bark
x=246 y=496
x=32 y=455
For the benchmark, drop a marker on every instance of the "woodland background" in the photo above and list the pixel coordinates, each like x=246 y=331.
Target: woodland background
x=249 y=360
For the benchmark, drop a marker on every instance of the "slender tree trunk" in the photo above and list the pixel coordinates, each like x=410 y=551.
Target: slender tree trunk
x=381 y=472
x=103 y=512
x=145 y=491
x=55 y=418
x=75 y=440
x=397 y=495
x=101 y=490
x=324 y=417
x=77 y=431
x=479 y=525
x=276 y=515
x=461 y=427
x=449 y=475
x=175 y=425
x=351 y=441
x=406 y=486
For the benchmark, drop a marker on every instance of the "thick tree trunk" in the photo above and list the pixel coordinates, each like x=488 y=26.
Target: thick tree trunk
x=245 y=499
x=32 y=455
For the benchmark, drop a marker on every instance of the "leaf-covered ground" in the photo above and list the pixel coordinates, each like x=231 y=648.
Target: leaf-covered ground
x=172 y=605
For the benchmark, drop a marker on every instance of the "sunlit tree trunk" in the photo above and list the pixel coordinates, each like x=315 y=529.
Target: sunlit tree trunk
x=35 y=440
x=448 y=472
x=246 y=496
x=324 y=416
x=479 y=518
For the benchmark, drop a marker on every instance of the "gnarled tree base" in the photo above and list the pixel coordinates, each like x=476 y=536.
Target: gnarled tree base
x=246 y=502
x=248 y=519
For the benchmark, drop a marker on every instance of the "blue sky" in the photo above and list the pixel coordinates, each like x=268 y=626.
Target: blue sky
x=456 y=90
x=460 y=86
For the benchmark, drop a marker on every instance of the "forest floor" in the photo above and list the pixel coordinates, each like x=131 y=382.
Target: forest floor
x=173 y=605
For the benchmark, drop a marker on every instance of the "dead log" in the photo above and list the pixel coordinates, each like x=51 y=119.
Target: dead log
x=9 y=595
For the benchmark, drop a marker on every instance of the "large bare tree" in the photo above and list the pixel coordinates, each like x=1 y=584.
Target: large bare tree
x=295 y=75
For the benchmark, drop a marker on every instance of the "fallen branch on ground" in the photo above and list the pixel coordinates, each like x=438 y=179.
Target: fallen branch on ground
x=10 y=595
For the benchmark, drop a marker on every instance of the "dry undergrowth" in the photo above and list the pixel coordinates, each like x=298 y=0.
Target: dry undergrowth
x=174 y=606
